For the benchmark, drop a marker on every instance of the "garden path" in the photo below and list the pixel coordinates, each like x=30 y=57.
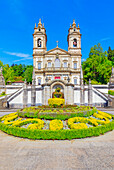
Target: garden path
x=24 y=154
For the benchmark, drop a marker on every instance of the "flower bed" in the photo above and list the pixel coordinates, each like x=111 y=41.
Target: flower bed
x=75 y=127
x=56 y=113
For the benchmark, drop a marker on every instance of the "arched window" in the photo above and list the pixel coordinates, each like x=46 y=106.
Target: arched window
x=39 y=81
x=39 y=42
x=75 y=42
x=75 y=81
x=57 y=62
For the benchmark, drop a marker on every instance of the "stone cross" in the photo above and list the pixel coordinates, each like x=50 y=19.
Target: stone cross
x=57 y=42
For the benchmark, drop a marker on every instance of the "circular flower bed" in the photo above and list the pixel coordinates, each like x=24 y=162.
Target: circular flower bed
x=93 y=124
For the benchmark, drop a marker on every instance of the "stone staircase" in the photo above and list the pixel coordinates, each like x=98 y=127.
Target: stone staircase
x=112 y=98
x=1 y=103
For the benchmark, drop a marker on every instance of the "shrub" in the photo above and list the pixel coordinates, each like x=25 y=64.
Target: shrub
x=78 y=126
x=99 y=116
x=111 y=92
x=36 y=126
x=3 y=93
x=26 y=121
x=54 y=102
x=33 y=133
x=57 y=134
x=105 y=114
x=56 y=125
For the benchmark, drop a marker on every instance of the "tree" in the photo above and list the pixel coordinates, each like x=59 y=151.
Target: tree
x=8 y=73
x=111 y=55
x=1 y=64
x=97 y=67
x=19 y=69
x=28 y=74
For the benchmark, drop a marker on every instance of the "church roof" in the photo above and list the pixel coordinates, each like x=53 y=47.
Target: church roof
x=57 y=50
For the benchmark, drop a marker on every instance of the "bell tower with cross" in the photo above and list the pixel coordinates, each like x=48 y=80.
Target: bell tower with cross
x=74 y=39
x=39 y=38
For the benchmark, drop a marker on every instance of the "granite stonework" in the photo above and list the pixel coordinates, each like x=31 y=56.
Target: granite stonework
x=2 y=82
x=33 y=95
x=111 y=82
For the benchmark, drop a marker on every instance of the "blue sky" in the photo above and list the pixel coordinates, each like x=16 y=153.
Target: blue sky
x=18 y=17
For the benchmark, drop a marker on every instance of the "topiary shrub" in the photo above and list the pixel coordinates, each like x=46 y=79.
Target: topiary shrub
x=56 y=125
x=56 y=102
x=58 y=93
x=111 y=92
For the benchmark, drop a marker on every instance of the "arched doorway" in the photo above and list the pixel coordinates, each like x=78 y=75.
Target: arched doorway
x=56 y=86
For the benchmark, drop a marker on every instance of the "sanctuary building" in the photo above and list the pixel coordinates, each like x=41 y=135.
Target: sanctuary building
x=56 y=68
x=57 y=64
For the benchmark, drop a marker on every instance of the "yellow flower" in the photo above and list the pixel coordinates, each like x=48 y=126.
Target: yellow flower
x=105 y=114
x=79 y=126
x=56 y=125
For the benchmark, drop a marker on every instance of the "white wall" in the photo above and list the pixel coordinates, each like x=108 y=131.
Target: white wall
x=101 y=88
x=76 y=96
x=38 y=97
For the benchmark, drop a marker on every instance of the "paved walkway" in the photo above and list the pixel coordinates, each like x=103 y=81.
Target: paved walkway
x=95 y=153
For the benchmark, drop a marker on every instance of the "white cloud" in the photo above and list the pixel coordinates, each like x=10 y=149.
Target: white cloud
x=22 y=55
x=23 y=59
x=104 y=39
x=17 y=54
x=83 y=59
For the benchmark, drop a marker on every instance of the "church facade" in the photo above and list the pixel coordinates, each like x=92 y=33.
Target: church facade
x=57 y=64
x=57 y=67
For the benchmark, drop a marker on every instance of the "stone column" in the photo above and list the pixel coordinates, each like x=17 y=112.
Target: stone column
x=70 y=94
x=90 y=97
x=33 y=93
x=25 y=95
x=82 y=95
x=46 y=94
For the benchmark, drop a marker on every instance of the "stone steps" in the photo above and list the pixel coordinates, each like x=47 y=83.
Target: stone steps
x=112 y=98
x=1 y=103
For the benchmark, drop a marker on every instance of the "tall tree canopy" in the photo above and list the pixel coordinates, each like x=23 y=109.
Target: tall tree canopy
x=28 y=74
x=17 y=72
x=111 y=55
x=97 y=67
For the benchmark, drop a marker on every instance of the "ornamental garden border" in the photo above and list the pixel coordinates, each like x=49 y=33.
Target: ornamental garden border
x=57 y=134
x=62 y=134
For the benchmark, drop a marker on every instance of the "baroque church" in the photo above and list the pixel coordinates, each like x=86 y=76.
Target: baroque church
x=56 y=68
x=57 y=64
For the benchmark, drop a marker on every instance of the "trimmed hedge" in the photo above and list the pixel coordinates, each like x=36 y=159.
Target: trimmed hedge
x=54 y=102
x=51 y=116
x=111 y=92
x=57 y=134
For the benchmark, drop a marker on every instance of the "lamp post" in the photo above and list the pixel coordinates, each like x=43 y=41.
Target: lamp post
x=68 y=79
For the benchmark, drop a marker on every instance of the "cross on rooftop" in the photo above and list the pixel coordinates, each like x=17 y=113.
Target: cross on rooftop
x=57 y=42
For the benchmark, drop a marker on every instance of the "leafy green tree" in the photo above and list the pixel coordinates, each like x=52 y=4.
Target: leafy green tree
x=28 y=74
x=1 y=64
x=19 y=69
x=97 y=67
x=8 y=73
x=111 y=55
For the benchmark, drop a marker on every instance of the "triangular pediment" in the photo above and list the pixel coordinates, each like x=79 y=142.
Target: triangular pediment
x=57 y=51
